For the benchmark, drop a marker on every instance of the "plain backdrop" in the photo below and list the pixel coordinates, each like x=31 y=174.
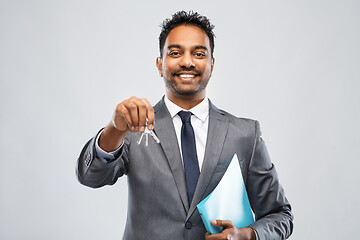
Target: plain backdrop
x=64 y=65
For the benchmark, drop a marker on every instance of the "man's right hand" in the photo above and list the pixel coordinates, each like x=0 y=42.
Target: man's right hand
x=130 y=115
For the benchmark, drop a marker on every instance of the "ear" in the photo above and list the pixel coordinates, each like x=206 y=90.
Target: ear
x=212 y=64
x=159 y=65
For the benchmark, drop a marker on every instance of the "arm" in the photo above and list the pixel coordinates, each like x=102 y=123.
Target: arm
x=94 y=171
x=272 y=210
x=274 y=219
x=130 y=115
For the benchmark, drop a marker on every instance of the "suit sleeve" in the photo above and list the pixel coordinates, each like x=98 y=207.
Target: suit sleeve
x=274 y=219
x=92 y=171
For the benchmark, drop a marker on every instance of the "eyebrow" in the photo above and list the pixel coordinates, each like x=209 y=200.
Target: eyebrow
x=201 y=47
x=178 y=46
x=174 y=46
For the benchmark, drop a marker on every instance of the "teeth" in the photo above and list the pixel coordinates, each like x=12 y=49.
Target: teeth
x=187 y=75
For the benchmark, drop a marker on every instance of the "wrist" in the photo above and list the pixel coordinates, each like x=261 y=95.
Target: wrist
x=111 y=138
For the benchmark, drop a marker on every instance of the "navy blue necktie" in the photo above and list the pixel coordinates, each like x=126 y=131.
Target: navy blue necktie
x=188 y=149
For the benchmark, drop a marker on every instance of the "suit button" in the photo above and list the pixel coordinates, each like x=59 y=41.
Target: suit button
x=188 y=225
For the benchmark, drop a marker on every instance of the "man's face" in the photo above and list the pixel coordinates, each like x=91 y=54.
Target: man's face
x=186 y=63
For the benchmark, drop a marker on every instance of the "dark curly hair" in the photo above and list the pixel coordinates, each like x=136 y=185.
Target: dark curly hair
x=181 y=18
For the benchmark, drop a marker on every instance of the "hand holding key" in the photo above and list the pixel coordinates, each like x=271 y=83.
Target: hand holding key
x=133 y=114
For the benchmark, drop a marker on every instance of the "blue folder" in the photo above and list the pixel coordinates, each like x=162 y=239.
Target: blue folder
x=228 y=201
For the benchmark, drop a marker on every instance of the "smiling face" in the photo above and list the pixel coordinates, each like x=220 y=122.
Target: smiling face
x=186 y=64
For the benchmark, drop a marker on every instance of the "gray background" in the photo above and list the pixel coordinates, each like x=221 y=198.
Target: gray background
x=64 y=65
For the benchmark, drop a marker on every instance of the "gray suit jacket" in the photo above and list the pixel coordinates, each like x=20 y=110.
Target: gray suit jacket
x=157 y=204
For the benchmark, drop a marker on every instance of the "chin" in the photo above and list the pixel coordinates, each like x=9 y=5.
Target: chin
x=187 y=92
x=188 y=89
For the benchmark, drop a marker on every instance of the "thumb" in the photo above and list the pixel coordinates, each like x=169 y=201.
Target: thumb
x=222 y=223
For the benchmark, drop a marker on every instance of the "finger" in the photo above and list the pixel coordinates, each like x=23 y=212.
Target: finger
x=218 y=236
x=122 y=114
x=133 y=111
x=222 y=223
x=141 y=114
x=149 y=114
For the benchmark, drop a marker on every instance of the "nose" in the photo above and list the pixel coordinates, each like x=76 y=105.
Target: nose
x=187 y=61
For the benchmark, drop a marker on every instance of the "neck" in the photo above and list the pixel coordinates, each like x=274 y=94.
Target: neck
x=186 y=102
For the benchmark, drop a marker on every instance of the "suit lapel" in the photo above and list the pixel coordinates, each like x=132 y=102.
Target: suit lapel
x=164 y=129
x=218 y=126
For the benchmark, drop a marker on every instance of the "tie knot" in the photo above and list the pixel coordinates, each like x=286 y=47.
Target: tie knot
x=185 y=116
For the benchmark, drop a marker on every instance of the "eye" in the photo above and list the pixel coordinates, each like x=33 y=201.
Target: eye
x=174 y=53
x=200 y=55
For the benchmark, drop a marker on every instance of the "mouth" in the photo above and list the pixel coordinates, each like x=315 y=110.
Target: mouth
x=187 y=76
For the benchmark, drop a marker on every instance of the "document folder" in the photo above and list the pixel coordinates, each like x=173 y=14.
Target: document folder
x=228 y=201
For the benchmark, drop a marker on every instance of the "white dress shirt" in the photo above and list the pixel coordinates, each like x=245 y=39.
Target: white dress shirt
x=199 y=121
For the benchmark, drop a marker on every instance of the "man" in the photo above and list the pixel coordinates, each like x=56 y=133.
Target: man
x=166 y=181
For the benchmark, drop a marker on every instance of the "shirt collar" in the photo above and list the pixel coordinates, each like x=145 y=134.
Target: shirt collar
x=201 y=111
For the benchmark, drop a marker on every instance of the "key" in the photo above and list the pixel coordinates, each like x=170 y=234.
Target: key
x=146 y=134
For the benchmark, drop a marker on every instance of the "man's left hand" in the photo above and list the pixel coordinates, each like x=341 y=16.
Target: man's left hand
x=230 y=231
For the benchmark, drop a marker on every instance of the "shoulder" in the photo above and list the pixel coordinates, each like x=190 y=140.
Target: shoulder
x=241 y=122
